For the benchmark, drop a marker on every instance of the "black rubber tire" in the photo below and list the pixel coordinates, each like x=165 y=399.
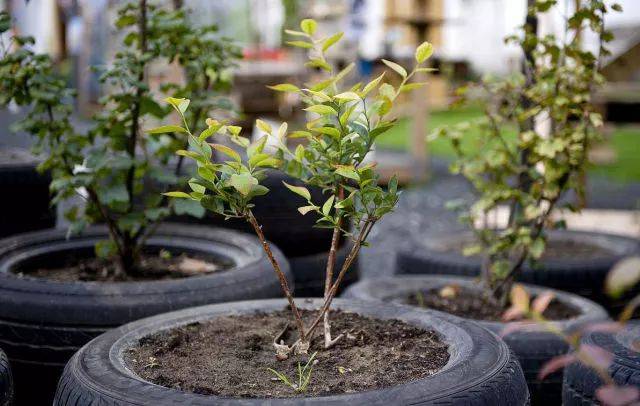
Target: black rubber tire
x=277 y=213
x=481 y=370
x=309 y=271
x=585 y=277
x=580 y=382
x=43 y=323
x=29 y=207
x=533 y=346
x=6 y=381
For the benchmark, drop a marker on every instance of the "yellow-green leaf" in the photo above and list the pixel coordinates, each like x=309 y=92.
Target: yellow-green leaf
x=322 y=109
x=397 y=68
x=308 y=26
x=180 y=195
x=300 y=44
x=227 y=151
x=285 y=87
x=371 y=85
x=424 y=52
x=327 y=43
x=306 y=209
x=180 y=104
x=326 y=207
x=348 y=96
x=347 y=172
x=299 y=190
x=167 y=129
x=263 y=126
x=412 y=86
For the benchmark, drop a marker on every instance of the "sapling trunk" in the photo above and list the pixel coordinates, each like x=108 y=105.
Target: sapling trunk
x=335 y=242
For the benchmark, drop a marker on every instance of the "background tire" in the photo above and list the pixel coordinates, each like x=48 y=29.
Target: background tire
x=6 y=381
x=29 y=207
x=532 y=346
x=481 y=370
x=43 y=323
x=580 y=382
x=584 y=277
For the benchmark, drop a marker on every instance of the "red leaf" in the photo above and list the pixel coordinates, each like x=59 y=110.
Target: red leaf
x=555 y=364
x=542 y=301
x=515 y=326
x=603 y=327
x=601 y=357
x=613 y=395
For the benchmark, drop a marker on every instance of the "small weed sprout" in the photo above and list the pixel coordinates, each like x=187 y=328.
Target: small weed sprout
x=304 y=375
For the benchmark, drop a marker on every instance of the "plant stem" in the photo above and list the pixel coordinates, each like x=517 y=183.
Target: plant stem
x=281 y=277
x=364 y=232
x=335 y=241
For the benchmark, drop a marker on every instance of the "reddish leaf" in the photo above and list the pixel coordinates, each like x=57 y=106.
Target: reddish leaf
x=520 y=298
x=541 y=302
x=512 y=313
x=613 y=395
x=603 y=327
x=555 y=364
x=601 y=357
x=515 y=326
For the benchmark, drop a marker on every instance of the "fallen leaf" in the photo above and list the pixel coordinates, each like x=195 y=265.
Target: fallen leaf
x=195 y=266
x=555 y=364
x=613 y=395
x=542 y=301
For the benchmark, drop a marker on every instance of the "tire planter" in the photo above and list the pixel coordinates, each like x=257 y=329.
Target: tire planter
x=584 y=277
x=6 y=381
x=481 y=370
x=43 y=323
x=29 y=208
x=305 y=246
x=580 y=382
x=533 y=346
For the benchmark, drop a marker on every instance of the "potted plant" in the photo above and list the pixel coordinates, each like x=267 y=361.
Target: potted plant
x=274 y=351
x=29 y=209
x=529 y=174
x=549 y=104
x=58 y=290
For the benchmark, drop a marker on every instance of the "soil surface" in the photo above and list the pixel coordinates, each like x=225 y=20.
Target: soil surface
x=151 y=267
x=472 y=304
x=556 y=249
x=230 y=356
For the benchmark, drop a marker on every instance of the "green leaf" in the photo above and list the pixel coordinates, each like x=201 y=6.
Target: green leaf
x=348 y=96
x=180 y=195
x=371 y=85
x=347 y=172
x=300 y=44
x=167 y=129
x=285 y=87
x=257 y=146
x=299 y=190
x=623 y=276
x=424 y=52
x=105 y=249
x=308 y=26
x=411 y=86
x=322 y=109
x=296 y=33
x=327 y=43
x=263 y=126
x=114 y=194
x=306 y=209
x=227 y=151
x=326 y=207
x=180 y=104
x=189 y=207
x=330 y=131
x=397 y=68
x=319 y=63
x=243 y=183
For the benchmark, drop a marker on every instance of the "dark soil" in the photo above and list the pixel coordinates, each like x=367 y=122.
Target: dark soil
x=229 y=356
x=151 y=267
x=472 y=304
x=556 y=249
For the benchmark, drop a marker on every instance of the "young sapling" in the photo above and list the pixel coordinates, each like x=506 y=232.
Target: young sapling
x=346 y=123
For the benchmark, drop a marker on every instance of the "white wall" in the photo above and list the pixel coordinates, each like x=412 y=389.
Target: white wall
x=474 y=29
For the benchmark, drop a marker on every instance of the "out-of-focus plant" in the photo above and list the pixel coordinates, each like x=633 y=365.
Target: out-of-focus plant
x=114 y=163
x=529 y=174
x=338 y=138
x=624 y=276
